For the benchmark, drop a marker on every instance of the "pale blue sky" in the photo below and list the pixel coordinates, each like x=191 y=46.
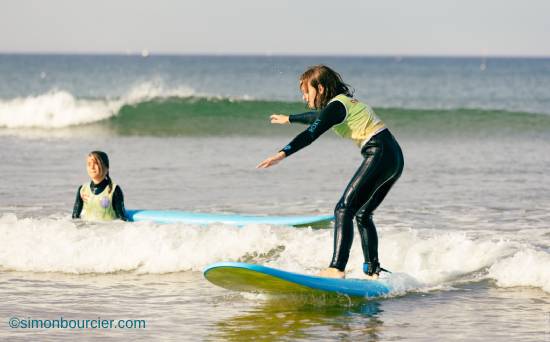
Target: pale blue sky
x=381 y=27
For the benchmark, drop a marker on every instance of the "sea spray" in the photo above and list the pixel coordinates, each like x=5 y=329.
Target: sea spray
x=419 y=259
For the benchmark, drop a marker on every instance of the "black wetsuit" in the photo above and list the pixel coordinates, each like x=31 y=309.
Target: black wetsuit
x=381 y=167
x=118 y=199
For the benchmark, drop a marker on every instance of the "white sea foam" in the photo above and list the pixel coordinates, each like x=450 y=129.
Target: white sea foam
x=61 y=245
x=419 y=260
x=434 y=257
x=54 y=110
x=59 y=108
x=527 y=267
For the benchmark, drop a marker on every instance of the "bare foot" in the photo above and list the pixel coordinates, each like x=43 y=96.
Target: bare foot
x=371 y=277
x=332 y=273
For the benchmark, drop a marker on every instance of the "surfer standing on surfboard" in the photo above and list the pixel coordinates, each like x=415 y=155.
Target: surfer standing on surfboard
x=324 y=91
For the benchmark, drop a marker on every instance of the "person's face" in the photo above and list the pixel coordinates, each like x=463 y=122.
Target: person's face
x=94 y=169
x=309 y=93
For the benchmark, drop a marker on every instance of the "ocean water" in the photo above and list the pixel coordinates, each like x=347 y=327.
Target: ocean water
x=465 y=230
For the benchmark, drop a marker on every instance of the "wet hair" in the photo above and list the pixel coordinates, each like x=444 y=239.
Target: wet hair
x=330 y=80
x=102 y=160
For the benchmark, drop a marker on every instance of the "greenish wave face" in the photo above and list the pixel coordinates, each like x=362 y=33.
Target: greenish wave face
x=219 y=117
x=199 y=116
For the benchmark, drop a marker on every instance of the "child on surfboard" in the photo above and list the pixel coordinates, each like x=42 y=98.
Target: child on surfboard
x=324 y=91
x=99 y=199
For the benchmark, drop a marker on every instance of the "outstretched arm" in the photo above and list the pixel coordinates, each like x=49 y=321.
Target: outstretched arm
x=304 y=118
x=331 y=115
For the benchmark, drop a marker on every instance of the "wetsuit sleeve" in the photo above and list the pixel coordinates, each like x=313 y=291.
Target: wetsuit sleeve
x=331 y=115
x=118 y=204
x=304 y=118
x=78 y=204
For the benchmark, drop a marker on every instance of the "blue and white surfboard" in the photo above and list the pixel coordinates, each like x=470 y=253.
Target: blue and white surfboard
x=174 y=216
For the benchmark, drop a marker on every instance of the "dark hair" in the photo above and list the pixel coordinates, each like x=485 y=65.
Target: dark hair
x=330 y=80
x=103 y=159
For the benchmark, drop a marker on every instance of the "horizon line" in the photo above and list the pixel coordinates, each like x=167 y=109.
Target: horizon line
x=148 y=54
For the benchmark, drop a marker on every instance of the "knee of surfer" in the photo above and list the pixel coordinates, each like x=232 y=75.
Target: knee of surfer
x=332 y=272
x=343 y=210
x=339 y=209
x=363 y=219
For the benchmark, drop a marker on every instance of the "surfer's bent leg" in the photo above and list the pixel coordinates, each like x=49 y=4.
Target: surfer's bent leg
x=392 y=167
x=367 y=229
x=352 y=199
x=369 y=239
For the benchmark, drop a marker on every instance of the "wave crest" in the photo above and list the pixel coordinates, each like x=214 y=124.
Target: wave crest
x=525 y=268
x=59 y=108
x=54 y=109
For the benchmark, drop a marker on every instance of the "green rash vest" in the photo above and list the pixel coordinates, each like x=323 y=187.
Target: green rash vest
x=361 y=122
x=98 y=207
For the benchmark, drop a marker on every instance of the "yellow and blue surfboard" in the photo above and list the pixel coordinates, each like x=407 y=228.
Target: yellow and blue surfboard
x=244 y=277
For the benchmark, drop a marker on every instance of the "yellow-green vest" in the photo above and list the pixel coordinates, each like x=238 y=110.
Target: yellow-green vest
x=98 y=207
x=361 y=122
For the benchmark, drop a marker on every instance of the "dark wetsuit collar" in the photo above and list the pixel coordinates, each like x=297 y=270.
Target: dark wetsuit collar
x=98 y=188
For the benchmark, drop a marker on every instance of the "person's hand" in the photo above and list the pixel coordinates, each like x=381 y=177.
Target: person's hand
x=280 y=119
x=84 y=197
x=271 y=160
